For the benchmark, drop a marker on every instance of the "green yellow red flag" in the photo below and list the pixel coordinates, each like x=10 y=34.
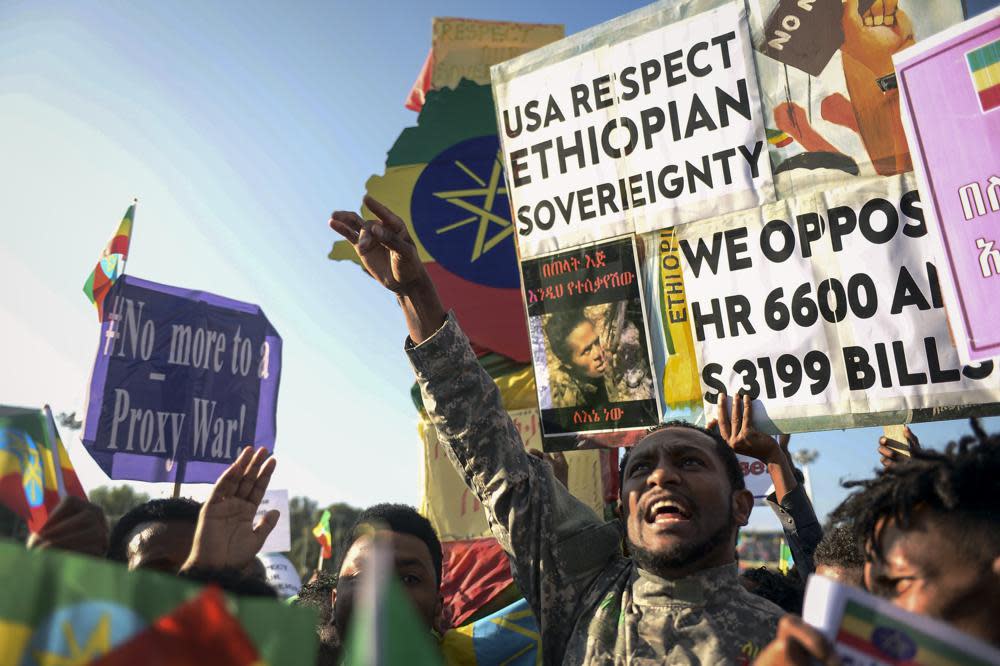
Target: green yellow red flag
x=111 y=265
x=35 y=470
x=324 y=535
x=60 y=608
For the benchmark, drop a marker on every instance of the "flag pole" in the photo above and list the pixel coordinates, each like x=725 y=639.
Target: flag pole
x=178 y=478
x=319 y=565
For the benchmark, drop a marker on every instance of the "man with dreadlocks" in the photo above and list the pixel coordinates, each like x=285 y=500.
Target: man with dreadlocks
x=931 y=529
x=676 y=597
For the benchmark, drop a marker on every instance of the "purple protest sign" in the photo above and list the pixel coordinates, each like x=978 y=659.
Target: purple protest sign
x=182 y=381
x=950 y=86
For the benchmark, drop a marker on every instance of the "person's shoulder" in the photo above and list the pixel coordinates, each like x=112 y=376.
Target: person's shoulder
x=755 y=606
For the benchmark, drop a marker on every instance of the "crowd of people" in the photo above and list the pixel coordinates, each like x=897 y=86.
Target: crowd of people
x=660 y=584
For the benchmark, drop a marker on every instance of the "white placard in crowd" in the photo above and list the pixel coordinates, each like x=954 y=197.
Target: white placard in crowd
x=280 y=538
x=281 y=574
x=826 y=309
x=638 y=124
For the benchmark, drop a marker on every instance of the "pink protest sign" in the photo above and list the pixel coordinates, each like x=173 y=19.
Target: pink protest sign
x=950 y=94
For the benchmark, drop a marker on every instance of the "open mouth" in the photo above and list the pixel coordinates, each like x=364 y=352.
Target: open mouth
x=666 y=511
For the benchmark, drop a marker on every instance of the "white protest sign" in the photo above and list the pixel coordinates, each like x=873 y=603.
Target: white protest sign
x=281 y=574
x=756 y=478
x=641 y=123
x=280 y=538
x=826 y=309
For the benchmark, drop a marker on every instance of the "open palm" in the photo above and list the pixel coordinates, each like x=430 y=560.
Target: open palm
x=226 y=535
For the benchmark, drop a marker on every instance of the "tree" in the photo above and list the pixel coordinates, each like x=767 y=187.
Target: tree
x=304 y=514
x=12 y=526
x=69 y=421
x=117 y=500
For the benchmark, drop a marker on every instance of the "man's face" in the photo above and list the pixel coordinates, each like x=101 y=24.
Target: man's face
x=586 y=353
x=923 y=572
x=160 y=545
x=681 y=515
x=414 y=568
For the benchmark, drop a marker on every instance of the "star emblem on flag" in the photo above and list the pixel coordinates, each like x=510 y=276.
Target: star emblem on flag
x=489 y=189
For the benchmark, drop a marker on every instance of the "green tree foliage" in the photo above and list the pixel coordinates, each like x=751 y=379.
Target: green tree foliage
x=12 y=526
x=117 y=500
x=305 y=514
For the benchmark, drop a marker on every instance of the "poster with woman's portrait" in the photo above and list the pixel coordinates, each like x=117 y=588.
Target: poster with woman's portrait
x=589 y=342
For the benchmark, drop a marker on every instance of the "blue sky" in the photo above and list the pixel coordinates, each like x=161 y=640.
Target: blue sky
x=240 y=126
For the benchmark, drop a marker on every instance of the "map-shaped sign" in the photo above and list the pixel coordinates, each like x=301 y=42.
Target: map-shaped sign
x=461 y=213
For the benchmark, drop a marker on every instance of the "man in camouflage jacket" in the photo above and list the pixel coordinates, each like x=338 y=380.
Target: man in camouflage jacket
x=676 y=598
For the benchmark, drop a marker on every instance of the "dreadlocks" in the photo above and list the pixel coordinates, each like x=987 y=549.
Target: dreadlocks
x=962 y=482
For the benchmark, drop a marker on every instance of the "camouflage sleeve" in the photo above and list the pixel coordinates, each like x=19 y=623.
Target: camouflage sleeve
x=802 y=529
x=540 y=525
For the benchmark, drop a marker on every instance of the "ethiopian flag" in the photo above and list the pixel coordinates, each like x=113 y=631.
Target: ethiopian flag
x=984 y=65
x=445 y=178
x=883 y=640
x=508 y=636
x=35 y=471
x=324 y=535
x=111 y=265
x=61 y=608
x=777 y=138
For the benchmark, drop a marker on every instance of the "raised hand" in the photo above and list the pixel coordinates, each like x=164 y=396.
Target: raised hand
x=738 y=431
x=892 y=452
x=226 y=536
x=384 y=246
x=389 y=255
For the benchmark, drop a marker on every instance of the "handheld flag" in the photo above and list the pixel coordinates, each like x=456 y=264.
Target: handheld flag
x=785 y=561
x=35 y=470
x=324 y=535
x=63 y=608
x=111 y=265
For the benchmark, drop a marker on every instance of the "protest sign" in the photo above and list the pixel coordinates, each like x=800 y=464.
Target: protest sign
x=954 y=133
x=828 y=85
x=649 y=120
x=826 y=310
x=454 y=510
x=756 y=478
x=867 y=630
x=182 y=381
x=280 y=538
x=589 y=341
x=681 y=387
x=281 y=573
x=465 y=48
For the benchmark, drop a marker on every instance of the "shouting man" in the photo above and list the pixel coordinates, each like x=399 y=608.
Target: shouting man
x=677 y=599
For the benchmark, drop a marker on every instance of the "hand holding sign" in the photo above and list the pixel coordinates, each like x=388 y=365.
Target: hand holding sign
x=797 y=643
x=736 y=428
x=893 y=451
x=226 y=536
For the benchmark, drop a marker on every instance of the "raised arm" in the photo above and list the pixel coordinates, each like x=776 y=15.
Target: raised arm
x=789 y=500
x=540 y=525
